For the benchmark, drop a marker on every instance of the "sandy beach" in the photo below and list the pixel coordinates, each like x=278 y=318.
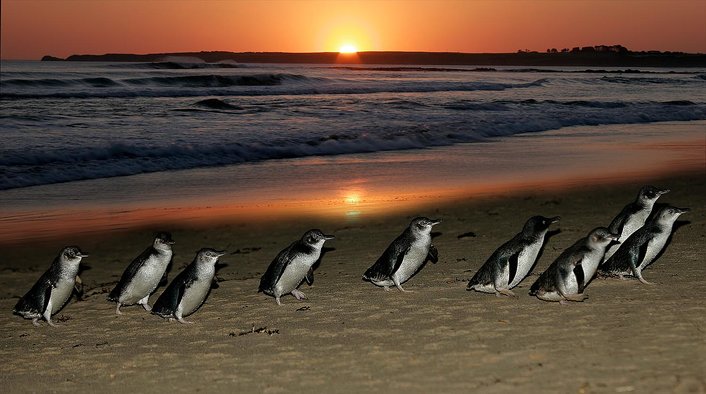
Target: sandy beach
x=353 y=337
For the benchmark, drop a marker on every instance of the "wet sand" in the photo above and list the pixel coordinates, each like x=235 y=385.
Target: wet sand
x=351 y=336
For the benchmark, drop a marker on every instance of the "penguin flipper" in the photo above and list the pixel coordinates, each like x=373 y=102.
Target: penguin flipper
x=513 y=262
x=617 y=225
x=130 y=272
x=433 y=255
x=310 y=276
x=389 y=262
x=642 y=253
x=580 y=279
x=399 y=260
x=168 y=302
x=276 y=268
x=164 y=280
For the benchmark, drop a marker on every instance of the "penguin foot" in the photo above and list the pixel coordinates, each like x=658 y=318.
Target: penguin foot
x=642 y=280
x=117 y=309
x=386 y=288
x=278 y=301
x=35 y=321
x=506 y=292
x=182 y=321
x=400 y=288
x=575 y=297
x=147 y=307
x=299 y=295
x=51 y=323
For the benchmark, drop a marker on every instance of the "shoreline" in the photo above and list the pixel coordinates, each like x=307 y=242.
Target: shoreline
x=350 y=188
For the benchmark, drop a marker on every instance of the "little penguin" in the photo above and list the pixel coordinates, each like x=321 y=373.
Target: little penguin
x=643 y=246
x=144 y=274
x=633 y=216
x=293 y=265
x=189 y=289
x=53 y=288
x=567 y=277
x=405 y=255
x=513 y=260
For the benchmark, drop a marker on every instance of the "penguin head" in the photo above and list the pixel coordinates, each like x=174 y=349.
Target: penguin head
x=423 y=225
x=73 y=254
x=163 y=240
x=650 y=194
x=601 y=236
x=209 y=256
x=315 y=238
x=669 y=214
x=537 y=224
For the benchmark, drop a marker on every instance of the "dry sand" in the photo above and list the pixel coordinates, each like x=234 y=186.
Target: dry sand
x=354 y=337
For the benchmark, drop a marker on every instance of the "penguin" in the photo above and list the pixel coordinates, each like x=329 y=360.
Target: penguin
x=293 y=265
x=512 y=261
x=405 y=255
x=633 y=216
x=144 y=274
x=189 y=289
x=643 y=246
x=53 y=289
x=567 y=277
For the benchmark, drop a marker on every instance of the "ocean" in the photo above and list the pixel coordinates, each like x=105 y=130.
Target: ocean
x=149 y=134
x=69 y=121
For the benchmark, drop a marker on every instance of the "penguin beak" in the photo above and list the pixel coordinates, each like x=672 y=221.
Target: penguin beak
x=683 y=210
x=554 y=219
x=220 y=252
x=82 y=255
x=665 y=191
x=434 y=222
x=328 y=237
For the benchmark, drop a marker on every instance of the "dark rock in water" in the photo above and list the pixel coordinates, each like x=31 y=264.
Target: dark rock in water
x=216 y=104
x=48 y=58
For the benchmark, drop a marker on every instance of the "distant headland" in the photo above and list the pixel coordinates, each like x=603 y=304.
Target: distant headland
x=601 y=55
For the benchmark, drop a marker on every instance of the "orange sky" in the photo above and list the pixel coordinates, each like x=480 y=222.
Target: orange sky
x=32 y=28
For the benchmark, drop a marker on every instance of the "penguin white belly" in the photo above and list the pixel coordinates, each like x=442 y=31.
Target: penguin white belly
x=503 y=279
x=525 y=261
x=654 y=246
x=571 y=286
x=144 y=282
x=589 y=264
x=194 y=296
x=293 y=274
x=415 y=257
x=60 y=294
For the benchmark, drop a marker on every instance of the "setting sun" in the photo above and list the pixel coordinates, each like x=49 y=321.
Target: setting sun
x=348 y=48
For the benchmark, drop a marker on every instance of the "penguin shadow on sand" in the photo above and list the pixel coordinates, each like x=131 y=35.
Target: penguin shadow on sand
x=216 y=279
x=79 y=289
